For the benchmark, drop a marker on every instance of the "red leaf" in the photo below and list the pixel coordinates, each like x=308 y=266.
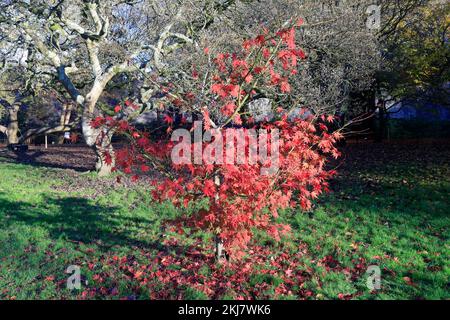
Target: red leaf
x=168 y=119
x=209 y=189
x=285 y=87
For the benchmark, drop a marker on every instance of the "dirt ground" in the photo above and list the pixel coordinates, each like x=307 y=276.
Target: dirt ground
x=354 y=155
x=76 y=157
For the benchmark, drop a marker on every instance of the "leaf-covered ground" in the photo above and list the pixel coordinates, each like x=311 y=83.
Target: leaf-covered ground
x=389 y=207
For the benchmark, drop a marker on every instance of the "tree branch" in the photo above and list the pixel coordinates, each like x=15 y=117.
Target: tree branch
x=92 y=9
x=47 y=130
x=92 y=47
x=56 y=61
x=165 y=34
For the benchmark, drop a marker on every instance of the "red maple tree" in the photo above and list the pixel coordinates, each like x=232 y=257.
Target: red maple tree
x=239 y=198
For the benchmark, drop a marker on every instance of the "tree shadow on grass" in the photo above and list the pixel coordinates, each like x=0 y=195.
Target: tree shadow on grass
x=410 y=200
x=78 y=220
x=406 y=215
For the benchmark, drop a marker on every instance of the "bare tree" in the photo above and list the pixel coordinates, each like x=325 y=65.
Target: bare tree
x=342 y=53
x=91 y=42
x=93 y=47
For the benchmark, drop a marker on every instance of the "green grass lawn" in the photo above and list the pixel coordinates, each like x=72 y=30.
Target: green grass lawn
x=395 y=216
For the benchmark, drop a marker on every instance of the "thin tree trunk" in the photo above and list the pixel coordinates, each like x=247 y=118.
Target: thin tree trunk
x=220 y=252
x=64 y=120
x=13 y=124
x=60 y=139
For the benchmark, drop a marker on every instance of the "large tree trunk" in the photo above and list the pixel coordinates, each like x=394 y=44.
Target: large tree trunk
x=105 y=155
x=3 y=130
x=100 y=141
x=97 y=138
x=381 y=123
x=13 y=124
